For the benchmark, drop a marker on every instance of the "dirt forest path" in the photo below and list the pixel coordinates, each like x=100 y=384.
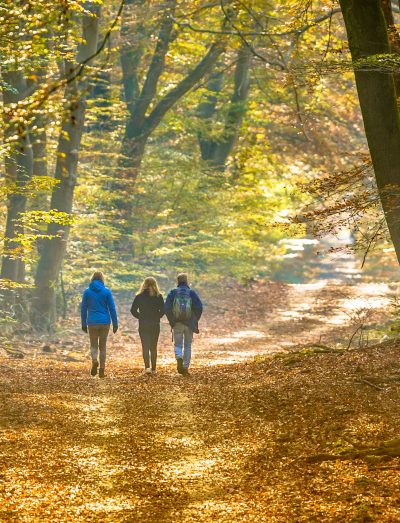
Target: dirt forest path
x=230 y=443
x=270 y=318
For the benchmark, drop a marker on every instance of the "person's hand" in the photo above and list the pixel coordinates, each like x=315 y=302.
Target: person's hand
x=115 y=328
x=84 y=328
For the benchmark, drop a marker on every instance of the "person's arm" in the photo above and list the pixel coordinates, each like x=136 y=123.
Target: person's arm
x=113 y=312
x=135 y=307
x=161 y=306
x=84 y=311
x=197 y=305
x=168 y=308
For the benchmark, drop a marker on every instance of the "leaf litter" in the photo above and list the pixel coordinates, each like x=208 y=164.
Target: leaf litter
x=289 y=437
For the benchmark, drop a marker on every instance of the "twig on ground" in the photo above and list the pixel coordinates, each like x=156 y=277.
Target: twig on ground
x=366 y=382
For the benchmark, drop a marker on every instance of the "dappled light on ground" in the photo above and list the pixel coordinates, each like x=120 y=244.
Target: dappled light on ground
x=248 y=434
x=240 y=335
x=231 y=443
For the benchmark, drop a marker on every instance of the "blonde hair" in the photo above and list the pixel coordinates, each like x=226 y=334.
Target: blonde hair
x=151 y=285
x=98 y=275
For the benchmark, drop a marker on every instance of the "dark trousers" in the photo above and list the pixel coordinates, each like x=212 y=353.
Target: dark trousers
x=149 y=337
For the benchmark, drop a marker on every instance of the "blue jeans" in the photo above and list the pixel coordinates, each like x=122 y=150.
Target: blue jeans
x=183 y=337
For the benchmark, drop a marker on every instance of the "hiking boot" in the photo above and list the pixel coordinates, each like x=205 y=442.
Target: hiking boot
x=93 y=371
x=101 y=373
x=179 y=365
x=147 y=371
x=185 y=372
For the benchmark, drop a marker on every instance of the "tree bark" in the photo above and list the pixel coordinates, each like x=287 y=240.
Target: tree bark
x=142 y=122
x=19 y=169
x=394 y=38
x=43 y=311
x=217 y=151
x=207 y=111
x=368 y=36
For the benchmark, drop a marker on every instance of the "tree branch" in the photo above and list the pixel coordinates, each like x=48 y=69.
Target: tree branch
x=132 y=48
x=240 y=33
x=205 y=65
x=79 y=69
x=156 y=67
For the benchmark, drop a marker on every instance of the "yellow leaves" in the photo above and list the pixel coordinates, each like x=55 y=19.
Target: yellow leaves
x=30 y=189
x=6 y=284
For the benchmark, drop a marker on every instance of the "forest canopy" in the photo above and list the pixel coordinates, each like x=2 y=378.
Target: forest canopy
x=143 y=136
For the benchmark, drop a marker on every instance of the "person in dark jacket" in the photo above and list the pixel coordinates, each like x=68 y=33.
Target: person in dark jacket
x=97 y=313
x=148 y=308
x=183 y=308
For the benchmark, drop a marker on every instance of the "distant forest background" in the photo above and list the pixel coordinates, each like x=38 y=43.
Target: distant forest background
x=145 y=137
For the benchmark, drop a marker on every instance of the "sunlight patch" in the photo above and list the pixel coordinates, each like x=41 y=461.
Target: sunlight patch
x=239 y=335
x=189 y=468
x=113 y=504
x=183 y=441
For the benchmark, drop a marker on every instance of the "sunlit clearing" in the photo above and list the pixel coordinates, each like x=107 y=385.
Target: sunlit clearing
x=239 y=335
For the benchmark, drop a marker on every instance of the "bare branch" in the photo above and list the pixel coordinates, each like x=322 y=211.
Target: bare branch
x=239 y=33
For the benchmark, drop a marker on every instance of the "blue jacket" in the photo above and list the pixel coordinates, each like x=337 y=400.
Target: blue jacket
x=98 y=307
x=197 y=308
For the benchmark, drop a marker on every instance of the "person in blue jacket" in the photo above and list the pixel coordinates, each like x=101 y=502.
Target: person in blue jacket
x=183 y=309
x=97 y=313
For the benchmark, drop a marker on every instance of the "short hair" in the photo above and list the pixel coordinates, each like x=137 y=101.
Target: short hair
x=182 y=278
x=98 y=275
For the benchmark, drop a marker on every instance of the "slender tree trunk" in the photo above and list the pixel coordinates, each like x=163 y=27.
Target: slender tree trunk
x=101 y=93
x=43 y=312
x=237 y=108
x=18 y=168
x=368 y=36
x=138 y=100
x=207 y=111
x=145 y=111
x=217 y=151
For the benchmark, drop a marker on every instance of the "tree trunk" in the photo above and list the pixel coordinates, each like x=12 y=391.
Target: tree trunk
x=237 y=108
x=18 y=168
x=367 y=35
x=394 y=38
x=207 y=111
x=54 y=248
x=43 y=312
x=101 y=93
x=217 y=151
